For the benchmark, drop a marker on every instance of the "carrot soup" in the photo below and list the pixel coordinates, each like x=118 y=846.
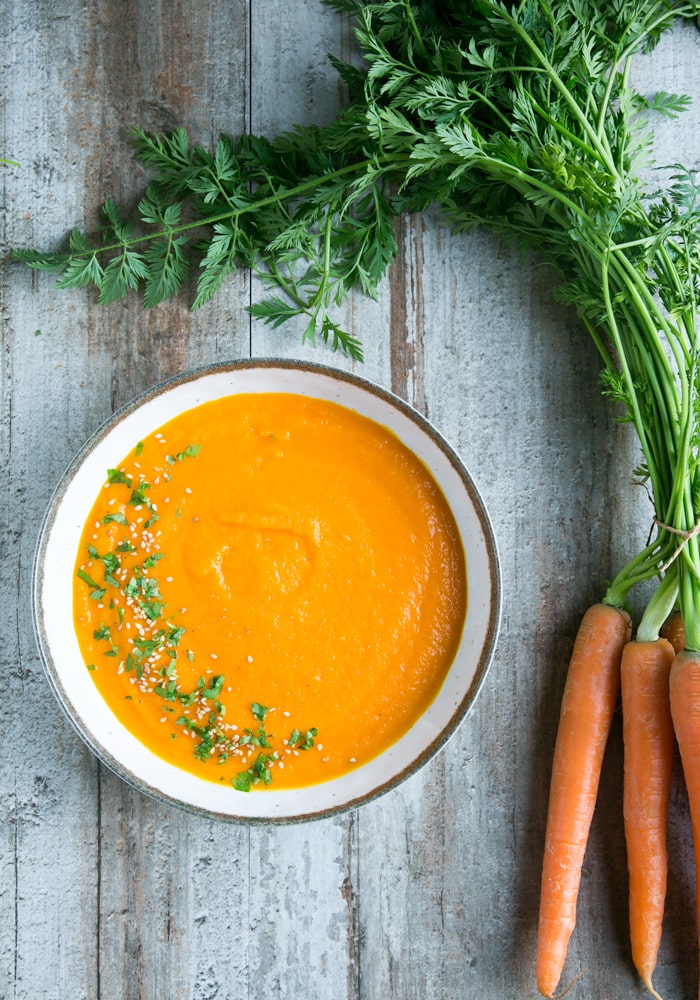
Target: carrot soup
x=271 y=587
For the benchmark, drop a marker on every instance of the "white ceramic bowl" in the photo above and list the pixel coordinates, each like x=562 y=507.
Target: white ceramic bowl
x=55 y=560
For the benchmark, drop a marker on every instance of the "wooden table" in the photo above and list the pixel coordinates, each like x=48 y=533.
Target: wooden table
x=430 y=892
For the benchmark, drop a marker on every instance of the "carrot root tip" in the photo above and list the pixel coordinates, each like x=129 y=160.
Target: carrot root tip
x=652 y=991
x=569 y=988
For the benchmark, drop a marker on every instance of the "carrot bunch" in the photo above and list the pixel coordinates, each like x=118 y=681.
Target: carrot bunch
x=657 y=680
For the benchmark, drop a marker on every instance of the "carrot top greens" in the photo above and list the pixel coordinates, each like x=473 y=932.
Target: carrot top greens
x=520 y=117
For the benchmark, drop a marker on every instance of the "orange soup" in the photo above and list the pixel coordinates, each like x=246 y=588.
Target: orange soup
x=270 y=588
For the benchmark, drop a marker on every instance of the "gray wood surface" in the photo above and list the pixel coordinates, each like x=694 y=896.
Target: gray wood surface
x=431 y=892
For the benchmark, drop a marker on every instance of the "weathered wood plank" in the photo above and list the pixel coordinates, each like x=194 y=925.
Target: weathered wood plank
x=432 y=890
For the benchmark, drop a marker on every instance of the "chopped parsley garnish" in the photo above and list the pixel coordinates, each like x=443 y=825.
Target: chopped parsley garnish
x=111 y=562
x=190 y=452
x=259 y=711
x=98 y=592
x=150 y=562
x=118 y=518
x=260 y=771
x=302 y=741
x=115 y=476
x=168 y=691
x=152 y=658
x=138 y=496
x=211 y=690
x=176 y=633
x=104 y=634
x=145 y=591
x=259 y=738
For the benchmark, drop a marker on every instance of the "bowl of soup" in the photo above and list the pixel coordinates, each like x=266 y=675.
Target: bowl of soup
x=266 y=591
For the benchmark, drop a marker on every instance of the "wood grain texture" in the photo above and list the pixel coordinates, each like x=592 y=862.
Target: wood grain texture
x=431 y=892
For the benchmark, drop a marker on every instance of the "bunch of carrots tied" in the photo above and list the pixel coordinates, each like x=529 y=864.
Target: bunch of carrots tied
x=521 y=117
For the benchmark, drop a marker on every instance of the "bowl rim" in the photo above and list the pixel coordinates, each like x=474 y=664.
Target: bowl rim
x=387 y=396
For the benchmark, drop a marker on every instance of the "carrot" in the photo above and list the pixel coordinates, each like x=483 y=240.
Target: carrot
x=588 y=704
x=647 y=732
x=674 y=631
x=685 y=712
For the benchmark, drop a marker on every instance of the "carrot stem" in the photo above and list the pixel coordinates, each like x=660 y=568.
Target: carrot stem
x=659 y=608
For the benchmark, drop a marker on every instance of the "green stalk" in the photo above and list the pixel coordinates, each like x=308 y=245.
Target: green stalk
x=659 y=608
x=643 y=567
x=690 y=608
x=187 y=227
x=414 y=27
x=598 y=142
x=630 y=381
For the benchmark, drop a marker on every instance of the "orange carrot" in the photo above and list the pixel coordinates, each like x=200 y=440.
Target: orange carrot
x=674 y=631
x=647 y=732
x=588 y=704
x=685 y=711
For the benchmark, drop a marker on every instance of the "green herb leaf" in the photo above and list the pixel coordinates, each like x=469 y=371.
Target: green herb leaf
x=211 y=689
x=97 y=592
x=117 y=518
x=118 y=476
